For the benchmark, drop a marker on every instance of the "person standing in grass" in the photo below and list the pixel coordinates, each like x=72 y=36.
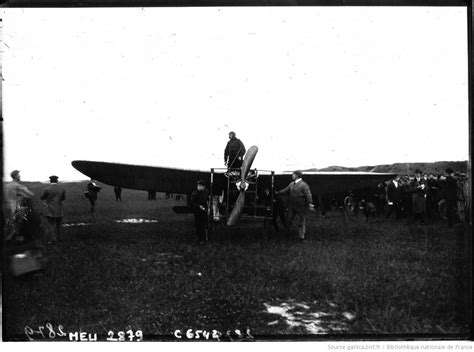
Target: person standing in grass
x=91 y=193
x=406 y=197
x=418 y=193
x=431 y=196
x=380 y=198
x=451 y=196
x=300 y=201
x=53 y=197
x=464 y=195
x=118 y=193
x=15 y=193
x=17 y=197
x=199 y=204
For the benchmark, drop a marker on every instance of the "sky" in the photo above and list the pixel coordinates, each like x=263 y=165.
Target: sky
x=310 y=86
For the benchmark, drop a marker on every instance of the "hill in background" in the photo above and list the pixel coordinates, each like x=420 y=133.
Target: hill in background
x=436 y=168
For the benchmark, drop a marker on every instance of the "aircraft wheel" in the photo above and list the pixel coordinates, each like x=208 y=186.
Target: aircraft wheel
x=349 y=204
x=442 y=208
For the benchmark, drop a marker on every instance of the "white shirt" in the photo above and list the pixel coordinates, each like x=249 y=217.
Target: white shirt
x=297 y=180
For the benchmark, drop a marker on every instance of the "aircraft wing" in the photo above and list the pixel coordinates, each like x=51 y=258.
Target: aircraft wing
x=147 y=178
x=183 y=181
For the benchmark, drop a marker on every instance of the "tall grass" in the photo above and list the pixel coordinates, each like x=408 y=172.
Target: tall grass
x=393 y=276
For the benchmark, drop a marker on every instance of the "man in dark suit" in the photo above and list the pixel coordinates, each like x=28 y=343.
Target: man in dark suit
x=463 y=197
x=199 y=204
x=53 y=197
x=431 y=196
x=381 y=198
x=118 y=193
x=234 y=152
x=451 y=196
x=418 y=190
x=394 y=200
x=406 y=198
x=299 y=202
x=91 y=193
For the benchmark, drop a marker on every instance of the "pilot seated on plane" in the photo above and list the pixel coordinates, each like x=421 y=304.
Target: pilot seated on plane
x=234 y=152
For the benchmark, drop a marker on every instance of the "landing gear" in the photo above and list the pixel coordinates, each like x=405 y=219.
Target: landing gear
x=349 y=204
x=443 y=209
x=221 y=206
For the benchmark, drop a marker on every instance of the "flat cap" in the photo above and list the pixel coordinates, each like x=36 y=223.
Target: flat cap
x=298 y=173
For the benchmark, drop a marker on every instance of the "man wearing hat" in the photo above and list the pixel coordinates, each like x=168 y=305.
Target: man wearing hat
x=234 y=152
x=451 y=195
x=300 y=201
x=53 y=197
x=91 y=193
x=418 y=190
x=199 y=204
x=16 y=195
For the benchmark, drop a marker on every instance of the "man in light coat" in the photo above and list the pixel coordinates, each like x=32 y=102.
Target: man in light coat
x=16 y=195
x=53 y=197
x=300 y=201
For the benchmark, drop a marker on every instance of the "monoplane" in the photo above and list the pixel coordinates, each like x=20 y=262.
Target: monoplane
x=223 y=181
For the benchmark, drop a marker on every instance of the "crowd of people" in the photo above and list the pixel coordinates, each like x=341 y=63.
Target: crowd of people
x=421 y=198
x=23 y=221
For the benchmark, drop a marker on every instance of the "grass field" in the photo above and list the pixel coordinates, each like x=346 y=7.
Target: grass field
x=350 y=277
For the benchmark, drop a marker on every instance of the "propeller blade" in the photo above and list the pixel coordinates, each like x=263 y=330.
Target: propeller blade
x=248 y=160
x=237 y=210
x=240 y=202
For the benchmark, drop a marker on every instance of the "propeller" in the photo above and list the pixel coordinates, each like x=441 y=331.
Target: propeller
x=242 y=185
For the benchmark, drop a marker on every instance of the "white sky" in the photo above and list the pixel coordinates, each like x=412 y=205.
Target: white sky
x=312 y=87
